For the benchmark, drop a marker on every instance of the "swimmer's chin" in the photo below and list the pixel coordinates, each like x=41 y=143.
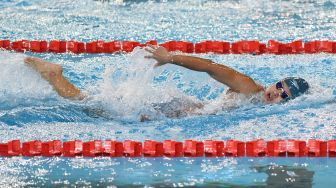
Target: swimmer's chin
x=266 y=98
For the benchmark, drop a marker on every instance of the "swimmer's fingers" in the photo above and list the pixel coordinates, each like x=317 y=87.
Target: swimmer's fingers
x=155 y=47
x=149 y=56
x=158 y=64
x=28 y=60
x=150 y=50
x=152 y=54
x=159 y=53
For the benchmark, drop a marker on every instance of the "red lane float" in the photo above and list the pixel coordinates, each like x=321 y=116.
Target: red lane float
x=152 y=149
x=218 y=47
x=275 y=47
x=52 y=148
x=57 y=46
x=317 y=148
x=73 y=148
x=75 y=47
x=214 y=148
x=235 y=148
x=11 y=148
x=332 y=148
x=256 y=148
x=193 y=148
x=20 y=46
x=170 y=148
x=208 y=46
x=320 y=46
x=151 y=42
x=248 y=47
x=296 y=148
x=112 y=47
x=112 y=148
x=93 y=148
x=32 y=148
x=38 y=46
x=128 y=46
x=173 y=148
x=132 y=148
x=185 y=47
x=92 y=47
x=5 y=44
x=276 y=148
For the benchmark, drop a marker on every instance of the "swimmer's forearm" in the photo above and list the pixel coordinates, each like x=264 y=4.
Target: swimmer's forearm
x=193 y=63
x=237 y=81
x=205 y=65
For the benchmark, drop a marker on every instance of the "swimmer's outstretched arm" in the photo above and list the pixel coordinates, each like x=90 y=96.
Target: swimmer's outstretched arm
x=237 y=81
x=53 y=73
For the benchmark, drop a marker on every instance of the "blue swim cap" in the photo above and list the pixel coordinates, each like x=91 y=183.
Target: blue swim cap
x=297 y=86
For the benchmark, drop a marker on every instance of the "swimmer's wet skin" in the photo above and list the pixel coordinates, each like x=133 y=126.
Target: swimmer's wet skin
x=53 y=73
x=286 y=89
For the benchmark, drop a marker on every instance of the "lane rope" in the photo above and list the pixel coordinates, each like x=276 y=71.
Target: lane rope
x=170 y=148
x=218 y=47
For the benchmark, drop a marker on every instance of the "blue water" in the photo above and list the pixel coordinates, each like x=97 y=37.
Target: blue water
x=124 y=86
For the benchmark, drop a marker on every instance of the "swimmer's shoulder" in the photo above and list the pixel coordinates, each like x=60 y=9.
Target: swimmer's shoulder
x=253 y=97
x=258 y=89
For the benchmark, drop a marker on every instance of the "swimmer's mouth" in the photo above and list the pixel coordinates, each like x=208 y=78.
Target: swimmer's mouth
x=267 y=97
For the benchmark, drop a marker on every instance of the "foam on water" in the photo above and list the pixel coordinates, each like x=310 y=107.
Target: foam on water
x=20 y=85
x=122 y=87
x=128 y=90
x=25 y=95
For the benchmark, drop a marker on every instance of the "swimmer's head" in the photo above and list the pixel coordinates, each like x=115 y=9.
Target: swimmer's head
x=286 y=89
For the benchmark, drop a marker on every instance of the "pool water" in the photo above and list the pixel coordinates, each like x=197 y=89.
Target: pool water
x=124 y=86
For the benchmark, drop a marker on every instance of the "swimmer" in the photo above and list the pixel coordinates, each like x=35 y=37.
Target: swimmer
x=283 y=90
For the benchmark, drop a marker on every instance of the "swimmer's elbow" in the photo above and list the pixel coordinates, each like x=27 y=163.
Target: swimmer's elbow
x=247 y=85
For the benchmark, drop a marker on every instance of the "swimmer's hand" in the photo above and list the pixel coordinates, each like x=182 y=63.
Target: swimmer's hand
x=160 y=54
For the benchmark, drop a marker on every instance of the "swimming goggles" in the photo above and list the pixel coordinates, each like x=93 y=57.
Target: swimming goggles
x=279 y=86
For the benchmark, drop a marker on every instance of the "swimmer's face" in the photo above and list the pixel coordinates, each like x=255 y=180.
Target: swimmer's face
x=273 y=95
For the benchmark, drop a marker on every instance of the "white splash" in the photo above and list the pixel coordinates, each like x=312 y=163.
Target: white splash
x=19 y=83
x=129 y=90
